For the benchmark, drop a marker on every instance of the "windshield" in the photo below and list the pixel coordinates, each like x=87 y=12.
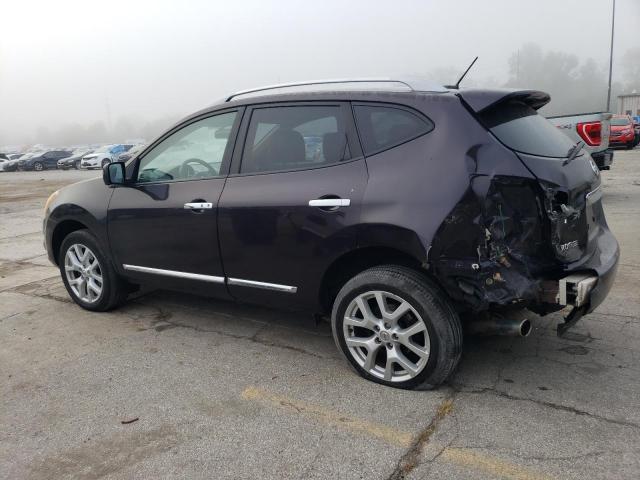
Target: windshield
x=618 y=122
x=520 y=128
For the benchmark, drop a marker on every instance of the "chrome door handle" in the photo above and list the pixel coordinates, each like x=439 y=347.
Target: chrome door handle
x=198 y=206
x=330 y=202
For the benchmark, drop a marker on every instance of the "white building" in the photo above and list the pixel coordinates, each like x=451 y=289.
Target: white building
x=629 y=104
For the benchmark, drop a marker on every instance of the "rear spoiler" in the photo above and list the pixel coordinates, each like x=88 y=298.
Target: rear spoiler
x=482 y=99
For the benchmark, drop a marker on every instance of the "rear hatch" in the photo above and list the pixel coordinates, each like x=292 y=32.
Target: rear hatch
x=570 y=189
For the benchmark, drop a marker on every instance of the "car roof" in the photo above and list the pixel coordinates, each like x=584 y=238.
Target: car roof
x=380 y=90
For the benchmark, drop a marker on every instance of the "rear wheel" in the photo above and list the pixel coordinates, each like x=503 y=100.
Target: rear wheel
x=396 y=328
x=88 y=275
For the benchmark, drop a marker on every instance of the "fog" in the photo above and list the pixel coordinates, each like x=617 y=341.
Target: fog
x=84 y=71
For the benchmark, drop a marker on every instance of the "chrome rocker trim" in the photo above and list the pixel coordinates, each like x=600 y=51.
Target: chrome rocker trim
x=267 y=286
x=239 y=282
x=174 y=273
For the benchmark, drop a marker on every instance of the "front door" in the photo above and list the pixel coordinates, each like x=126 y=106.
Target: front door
x=292 y=202
x=162 y=227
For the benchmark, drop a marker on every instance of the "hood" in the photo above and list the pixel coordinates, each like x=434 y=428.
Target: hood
x=618 y=128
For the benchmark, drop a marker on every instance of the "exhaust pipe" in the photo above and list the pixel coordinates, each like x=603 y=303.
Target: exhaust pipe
x=495 y=324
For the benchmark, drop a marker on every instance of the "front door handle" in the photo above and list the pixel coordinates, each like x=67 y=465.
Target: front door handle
x=198 y=206
x=330 y=202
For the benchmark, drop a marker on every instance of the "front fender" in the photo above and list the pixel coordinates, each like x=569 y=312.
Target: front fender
x=85 y=203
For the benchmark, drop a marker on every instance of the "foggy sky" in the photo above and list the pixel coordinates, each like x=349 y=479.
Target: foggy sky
x=79 y=62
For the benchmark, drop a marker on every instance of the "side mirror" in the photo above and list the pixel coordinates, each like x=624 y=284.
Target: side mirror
x=113 y=173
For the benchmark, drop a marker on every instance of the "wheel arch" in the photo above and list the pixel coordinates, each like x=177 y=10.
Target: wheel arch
x=60 y=232
x=351 y=263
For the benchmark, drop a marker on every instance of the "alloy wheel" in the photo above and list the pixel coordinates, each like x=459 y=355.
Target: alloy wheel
x=386 y=336
x=84 y=273
x=38 y=166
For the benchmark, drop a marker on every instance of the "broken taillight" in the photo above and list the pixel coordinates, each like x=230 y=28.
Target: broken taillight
x=590 y=132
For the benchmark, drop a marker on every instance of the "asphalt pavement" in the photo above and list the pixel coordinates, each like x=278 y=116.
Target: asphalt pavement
x=175 y=386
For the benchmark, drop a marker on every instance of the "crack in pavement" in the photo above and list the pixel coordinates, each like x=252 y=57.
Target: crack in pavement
x=411 y=458
x=543 y=403
x=252 y=338
x=161 y=320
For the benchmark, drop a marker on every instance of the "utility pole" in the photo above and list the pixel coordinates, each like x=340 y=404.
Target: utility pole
x=613 y=22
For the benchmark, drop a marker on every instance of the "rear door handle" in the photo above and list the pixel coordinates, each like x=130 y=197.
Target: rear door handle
x=330 y=202
x=198 y=206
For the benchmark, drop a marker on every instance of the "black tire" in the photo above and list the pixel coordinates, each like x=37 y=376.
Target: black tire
x=105 y=161
x=630 y=145
x=114 y=289
x=38 y=166
x=441 y=320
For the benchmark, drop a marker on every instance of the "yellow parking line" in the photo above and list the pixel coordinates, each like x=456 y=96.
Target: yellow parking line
x=496 y=467
x=460 y=456
x=388 y=434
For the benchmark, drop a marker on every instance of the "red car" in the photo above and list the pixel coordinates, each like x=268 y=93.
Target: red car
x=622 y=133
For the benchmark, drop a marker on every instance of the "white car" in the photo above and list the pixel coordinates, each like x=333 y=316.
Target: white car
x=103 y=155
x=2 y=163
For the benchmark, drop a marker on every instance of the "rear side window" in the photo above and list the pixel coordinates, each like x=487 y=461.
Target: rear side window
x=520 y=128
x=384 y=127
x=294 y=137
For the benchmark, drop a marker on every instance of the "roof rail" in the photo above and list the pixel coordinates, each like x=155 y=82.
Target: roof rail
x=328 y=82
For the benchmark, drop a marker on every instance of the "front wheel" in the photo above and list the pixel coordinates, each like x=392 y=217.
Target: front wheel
x=395 y=327
x=38 y=167
x=105 y=162
x=88 y=275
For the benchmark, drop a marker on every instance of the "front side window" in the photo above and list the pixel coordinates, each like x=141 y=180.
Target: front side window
x=297 y=137
x=383 y=127
x=192 y=153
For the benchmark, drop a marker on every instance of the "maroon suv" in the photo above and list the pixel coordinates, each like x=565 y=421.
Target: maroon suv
x=622 y=134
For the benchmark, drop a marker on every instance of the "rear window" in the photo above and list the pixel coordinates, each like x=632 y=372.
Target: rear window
x=520 y=128
x=384 y=127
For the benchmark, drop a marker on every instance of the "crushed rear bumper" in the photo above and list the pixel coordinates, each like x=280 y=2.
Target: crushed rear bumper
x=586 y=288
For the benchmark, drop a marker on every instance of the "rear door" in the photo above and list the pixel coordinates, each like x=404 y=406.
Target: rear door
x=292 y=201
x=51 y=159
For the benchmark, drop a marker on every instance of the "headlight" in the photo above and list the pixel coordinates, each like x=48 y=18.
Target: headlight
x=51 y=198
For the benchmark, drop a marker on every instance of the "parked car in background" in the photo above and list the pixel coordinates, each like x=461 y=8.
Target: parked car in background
x=15 y=156
x=395 y=225
x=4 y=156
x=103 y=156
x=43 y=160
x=622 y=132
x=12 y=165
x=3 y=161
x=636 y=129
x=593 y=129
x=74 y=160
x=135 y=150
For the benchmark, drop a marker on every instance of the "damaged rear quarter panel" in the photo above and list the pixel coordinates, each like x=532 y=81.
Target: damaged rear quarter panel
x=473 y=204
